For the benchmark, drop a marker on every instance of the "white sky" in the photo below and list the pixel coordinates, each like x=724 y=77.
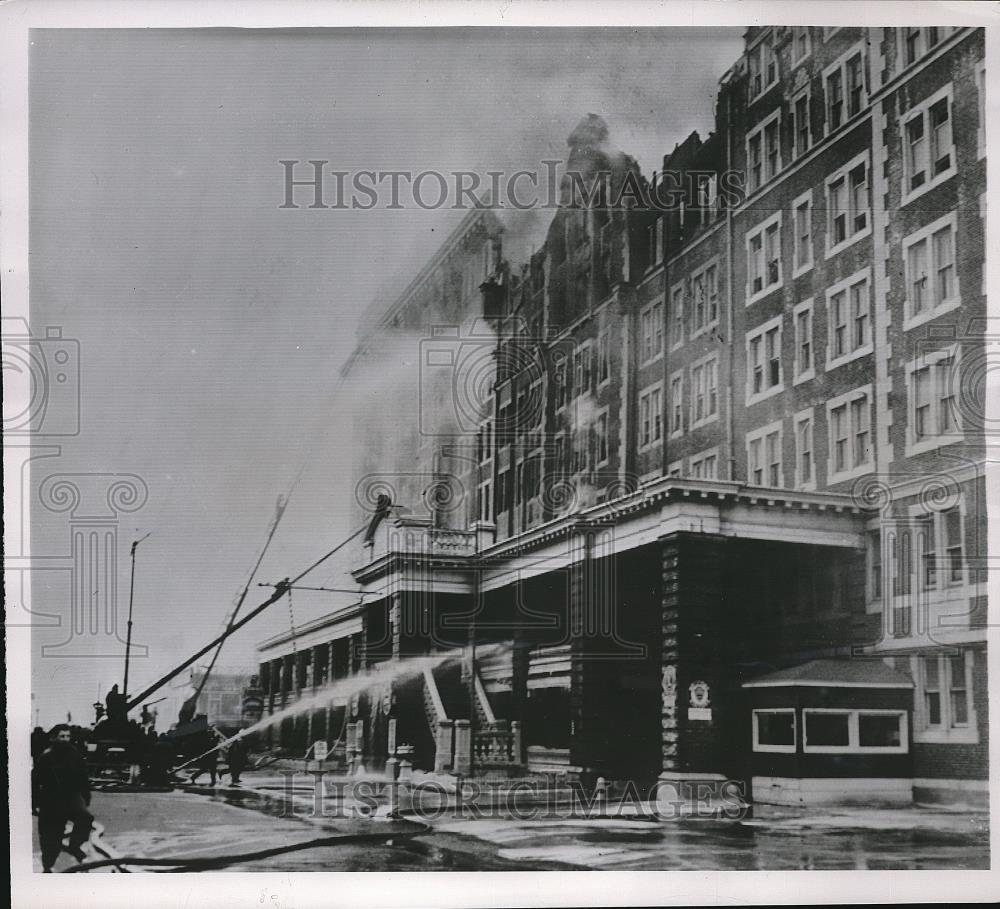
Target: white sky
x=212 y=324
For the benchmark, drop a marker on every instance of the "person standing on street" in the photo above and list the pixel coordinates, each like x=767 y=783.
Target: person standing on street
x=60 y=792
x=237 y=759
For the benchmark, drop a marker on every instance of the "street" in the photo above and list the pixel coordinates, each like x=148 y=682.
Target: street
x=228 y=822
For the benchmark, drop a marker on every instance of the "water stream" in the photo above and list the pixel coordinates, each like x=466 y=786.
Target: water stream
x=378 y=676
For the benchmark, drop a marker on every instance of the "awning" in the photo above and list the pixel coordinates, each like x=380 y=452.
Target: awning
x=850 y=673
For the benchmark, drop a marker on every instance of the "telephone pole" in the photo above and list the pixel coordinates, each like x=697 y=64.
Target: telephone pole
x=128 y=635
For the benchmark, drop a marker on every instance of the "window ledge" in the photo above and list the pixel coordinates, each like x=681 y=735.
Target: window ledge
x=714 y=418
x=852 y=474
x=764 y=395
x=964 y=735
x=803 y=269
x=939 y=310
x=850 y=241
x=705 y=329
x=807 y=376
x=763 y=292
x=932 y=444
x=848 y=358
x=944 y=176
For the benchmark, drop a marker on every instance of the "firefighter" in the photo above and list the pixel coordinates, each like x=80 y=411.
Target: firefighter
x=237 y=759
x=209 y=761
x=60 y=792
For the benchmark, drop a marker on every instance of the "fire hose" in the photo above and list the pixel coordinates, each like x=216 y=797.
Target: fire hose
x=196 y=863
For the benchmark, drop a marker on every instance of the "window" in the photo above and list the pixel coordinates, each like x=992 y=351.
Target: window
x=484 y=442
x=503 y=491
x=932 y=382
x=804 y=364
x=764 y=371
x=650 y=417
x=847 y=205
x=676 y=404
x=764 y=258
x=945 y=709
x=560 y=381
x=901 y=551
x=801 y=129
x=918 y=41
x=675 y=469
x=705 y=298
x=764 y=151
x=704 y=392
x=804 y=461
x=861 y=430
x=855 y=85
x=656 y=242
x=677 y=315
x=955 y=564
x=931 y=279
x=844 y=84
x=774 y=730
x=938 y=538
x=849 y=310
x=981 y=109
x=849 y=429
x=764 y=465
x=486 y=502
x=803 y=253
x=652 y=332
x=832 y=731
x=875 y=565
x=827 y=729
x=772 y=151
x=762 y=67
x=698 y=300
x=601 y=438
x=928 y=147
x=705 y=466
x=755 y=165
x=706 y=196
x=800 y=44
x=603 y=358
x=834 y=100
x=581 y=369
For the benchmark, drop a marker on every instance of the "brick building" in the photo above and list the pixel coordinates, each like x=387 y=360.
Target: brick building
x=720 y=504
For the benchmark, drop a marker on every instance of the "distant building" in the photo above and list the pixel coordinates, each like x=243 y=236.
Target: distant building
x=721 y=505
x=220 y=700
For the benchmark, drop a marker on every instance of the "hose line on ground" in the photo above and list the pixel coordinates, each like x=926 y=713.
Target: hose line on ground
x=195 y=863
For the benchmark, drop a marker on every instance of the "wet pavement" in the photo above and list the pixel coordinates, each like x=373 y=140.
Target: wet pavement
x=230 y=821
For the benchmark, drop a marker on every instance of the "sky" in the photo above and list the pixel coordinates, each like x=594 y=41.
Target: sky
x=212 y=324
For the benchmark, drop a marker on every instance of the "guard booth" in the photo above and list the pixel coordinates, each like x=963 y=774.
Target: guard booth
x=831 y=732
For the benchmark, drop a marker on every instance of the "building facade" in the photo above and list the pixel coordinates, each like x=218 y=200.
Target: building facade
x=733 y=425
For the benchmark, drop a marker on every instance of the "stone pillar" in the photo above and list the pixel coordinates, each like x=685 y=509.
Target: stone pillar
x=700 y=709
x=670 y=555
x=443 y=746
x=463 y=747
x=582 y=611
x=395 y=622
x=405 y=762
x=517 y=746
